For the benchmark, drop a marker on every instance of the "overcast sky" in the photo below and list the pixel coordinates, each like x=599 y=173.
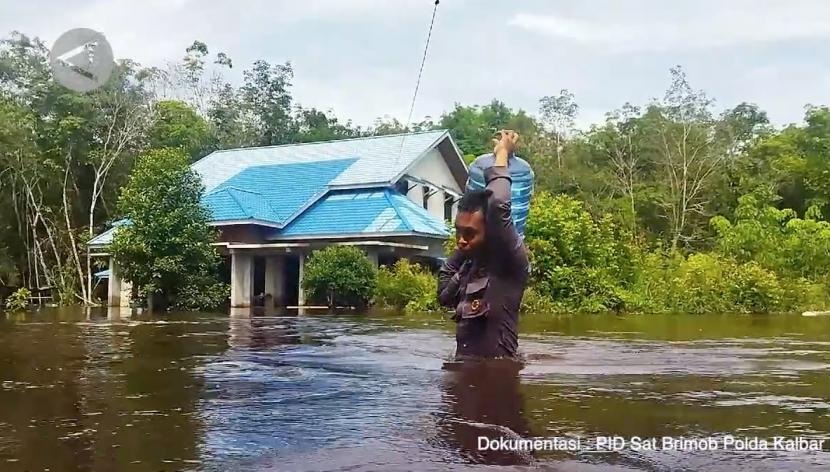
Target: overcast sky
x=360 y=58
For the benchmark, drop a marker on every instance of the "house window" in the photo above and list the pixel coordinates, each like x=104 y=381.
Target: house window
x=449 y=200
x=402 y=187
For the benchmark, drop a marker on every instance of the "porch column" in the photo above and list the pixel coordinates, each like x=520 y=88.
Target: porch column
x=242 y=280
x=126 y=293
x=275 y=279
x=301 y=292
x=372 y=253
x=119 y=291
x=113 y=284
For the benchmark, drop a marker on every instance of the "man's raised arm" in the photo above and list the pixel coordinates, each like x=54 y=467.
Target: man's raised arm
x=500 y=228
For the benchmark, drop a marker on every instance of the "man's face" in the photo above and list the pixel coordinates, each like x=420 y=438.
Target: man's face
x=469 y=231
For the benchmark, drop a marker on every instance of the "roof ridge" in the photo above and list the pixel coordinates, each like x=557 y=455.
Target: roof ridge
x=231 y=187
x=360 y=138
x=235 y=200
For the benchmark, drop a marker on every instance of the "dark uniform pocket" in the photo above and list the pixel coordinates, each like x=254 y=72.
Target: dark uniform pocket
x=473 y=303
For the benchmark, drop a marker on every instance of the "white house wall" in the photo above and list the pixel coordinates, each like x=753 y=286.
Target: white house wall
x=433 y=168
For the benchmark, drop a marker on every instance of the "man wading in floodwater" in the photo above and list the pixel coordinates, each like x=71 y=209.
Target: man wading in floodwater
x=484 y=278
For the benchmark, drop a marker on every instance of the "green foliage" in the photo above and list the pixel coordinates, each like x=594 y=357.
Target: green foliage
x=407 y=286
x=580 y=264
x=754 y=289
x=451 y=243
x=575 y=259
x=178 y=125
x=265 y=96
x=19 y=299
x=473 y=127
x=340 y=275
x=200 y=293
x=167 y=251
x=776 y=239
x=535 y=303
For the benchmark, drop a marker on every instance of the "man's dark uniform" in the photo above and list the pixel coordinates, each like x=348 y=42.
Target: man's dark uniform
x=486 y=290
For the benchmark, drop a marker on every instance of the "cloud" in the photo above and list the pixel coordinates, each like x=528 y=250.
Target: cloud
x=676 y=27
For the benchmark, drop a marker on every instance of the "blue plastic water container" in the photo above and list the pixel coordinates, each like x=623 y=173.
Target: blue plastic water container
x=521 y=190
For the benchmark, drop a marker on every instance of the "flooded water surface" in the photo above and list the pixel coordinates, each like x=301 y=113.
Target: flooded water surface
x=198 y=391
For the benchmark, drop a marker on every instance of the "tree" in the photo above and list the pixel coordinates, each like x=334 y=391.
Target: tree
x=166 y=251
x=689 y=153
x=314 y=125
x=340 y=275
x=177 y=125
x=558 y=114
x=233 y=126
x=473 y=127
x=266 y=97
x=620 y=141
x=119 y=125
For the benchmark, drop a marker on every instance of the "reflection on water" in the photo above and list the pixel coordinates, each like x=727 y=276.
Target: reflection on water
x=482 y=400
x=111 y=390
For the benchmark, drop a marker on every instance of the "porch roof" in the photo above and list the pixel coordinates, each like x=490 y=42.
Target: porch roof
x=371 y=212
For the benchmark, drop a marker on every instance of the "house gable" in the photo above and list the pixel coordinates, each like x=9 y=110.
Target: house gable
x=433 y=169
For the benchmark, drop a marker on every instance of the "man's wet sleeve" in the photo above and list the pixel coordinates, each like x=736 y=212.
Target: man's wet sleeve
x=448 y=279
x=500 y=228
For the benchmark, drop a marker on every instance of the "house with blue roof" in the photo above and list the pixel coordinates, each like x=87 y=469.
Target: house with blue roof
x=389 y=195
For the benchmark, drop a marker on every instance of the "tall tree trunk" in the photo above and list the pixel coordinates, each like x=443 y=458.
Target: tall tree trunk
x=39 y=217
x=85 y=294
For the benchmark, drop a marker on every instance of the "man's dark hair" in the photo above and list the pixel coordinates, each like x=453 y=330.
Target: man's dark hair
x=473 y=201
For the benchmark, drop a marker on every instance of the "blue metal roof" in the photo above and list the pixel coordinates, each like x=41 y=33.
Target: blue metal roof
x=289 y=187
x=374 y=211
x=272 y=193
x=380 y=159
x=105 y=238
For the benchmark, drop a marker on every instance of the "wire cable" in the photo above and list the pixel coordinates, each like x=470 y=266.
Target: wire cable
x=418 y=82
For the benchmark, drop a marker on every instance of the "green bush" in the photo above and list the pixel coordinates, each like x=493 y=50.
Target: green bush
x=340 y=275
x=534 y=302
x=776 y=239
x=202 y=295
x=407 y=286
x=754 y=289
x=699 y=285
x=19 y=300
x=578 y=261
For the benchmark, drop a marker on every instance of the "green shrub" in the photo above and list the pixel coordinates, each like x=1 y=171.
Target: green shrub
x=534 y=302
x=699 y=285
x=754 y=289
x=340 y=275
x=578 y=261
x=407 y=286
x=776 y=239
x=19 y=300
x=202 y=295
x=803 y=295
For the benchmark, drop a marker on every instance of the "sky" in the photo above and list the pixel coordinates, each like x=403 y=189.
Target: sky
x=360 y=58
